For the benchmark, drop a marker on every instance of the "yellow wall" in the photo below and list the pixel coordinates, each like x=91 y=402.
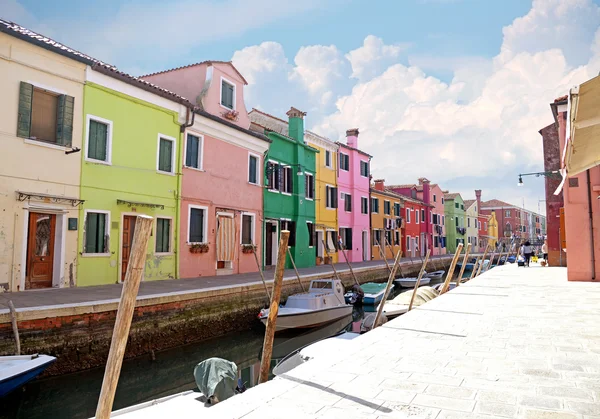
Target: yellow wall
x=31 y=166
x=325 y=176
x=493 y=228
x=378 y=223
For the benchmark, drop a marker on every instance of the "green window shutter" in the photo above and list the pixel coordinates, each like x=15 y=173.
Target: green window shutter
x=98 y=141
x=64 y=120
x=164 y=156
x=25 y=104
x=226 y=95
x=163 y=232
x=95 y=228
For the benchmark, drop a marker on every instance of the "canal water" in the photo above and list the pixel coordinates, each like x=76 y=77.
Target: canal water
x=74 y=396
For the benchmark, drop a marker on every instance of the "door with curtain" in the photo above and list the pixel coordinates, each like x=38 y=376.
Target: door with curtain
x=225 y=241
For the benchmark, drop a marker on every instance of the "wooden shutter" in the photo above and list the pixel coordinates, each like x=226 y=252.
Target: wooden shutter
x=97 y=142
x=94 y=233
x=25 y=104
x=64 y=120
x=334 y=203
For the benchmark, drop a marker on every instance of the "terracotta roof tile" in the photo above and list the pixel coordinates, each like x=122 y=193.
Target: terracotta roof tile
x=560 y=99
x=451 y=196
x=404 y=186
x=469 y=202
x=495 y=203
x=209 y=62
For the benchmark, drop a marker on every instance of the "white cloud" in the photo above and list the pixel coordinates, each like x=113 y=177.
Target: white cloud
x=368 y=60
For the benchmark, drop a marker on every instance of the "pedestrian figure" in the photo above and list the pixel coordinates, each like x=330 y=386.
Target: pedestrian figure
x=545 y=251
x=527 y=252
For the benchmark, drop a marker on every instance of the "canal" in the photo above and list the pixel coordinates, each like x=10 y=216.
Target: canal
x=74 y=396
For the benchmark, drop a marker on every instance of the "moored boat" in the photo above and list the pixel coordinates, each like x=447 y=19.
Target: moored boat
x=372 y=293
x=435 y=276
x=410 y=282
x=16 y=371
x=400 y=304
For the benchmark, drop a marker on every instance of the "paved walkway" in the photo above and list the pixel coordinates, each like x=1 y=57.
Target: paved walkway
x=514 y=342
x=53 y=297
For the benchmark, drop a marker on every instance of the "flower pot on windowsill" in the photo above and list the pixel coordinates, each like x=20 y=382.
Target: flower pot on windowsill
x=248 y=248
x=199 y=248
x=327 y=260
x=319 y=260
x=230 y=115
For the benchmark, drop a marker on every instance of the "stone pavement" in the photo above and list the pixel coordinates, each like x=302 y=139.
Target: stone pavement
x=512 y=343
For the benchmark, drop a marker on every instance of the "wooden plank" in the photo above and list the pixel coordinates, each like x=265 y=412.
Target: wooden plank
x=412 y=298
x=15 y=328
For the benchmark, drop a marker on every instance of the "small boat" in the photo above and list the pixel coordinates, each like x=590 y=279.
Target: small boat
x=16 y=371
x=511 y=259
x=399 y=305
x=438 y=287
x=468 y=267
x=410 y=282
x=322 y=304
x=372 y=293
x=435 y=276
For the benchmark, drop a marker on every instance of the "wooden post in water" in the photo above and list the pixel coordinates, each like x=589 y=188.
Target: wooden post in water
x=262 y=275
x=487 y=268
x=289 y=252
x=464 y=264
x=482 y=259
x=451 y=269
x=332 y=265
x=267 y=352
x=392 y=251
x=382 y=254
x=412 y=299
x=387 y=288
x=133 y=277
x=15 y=327
x=475 y=267
x=349 y=266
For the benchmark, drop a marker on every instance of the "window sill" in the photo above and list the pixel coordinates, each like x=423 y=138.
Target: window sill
x=286 y=193
x=94 y=161
x=191 y=168
x=226 y=107
x=273 y=190
x=95 y=255
x=309 y=199
x=254 y=184
x=193 y=243
x=45 y=144
x=160 y=172
x=164 y=254
x=329 y=208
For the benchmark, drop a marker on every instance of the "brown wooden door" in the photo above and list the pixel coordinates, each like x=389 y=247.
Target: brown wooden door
x=40 y=250
x=128 y=230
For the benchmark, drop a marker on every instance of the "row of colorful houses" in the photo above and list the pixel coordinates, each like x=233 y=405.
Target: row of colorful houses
x=87 y=148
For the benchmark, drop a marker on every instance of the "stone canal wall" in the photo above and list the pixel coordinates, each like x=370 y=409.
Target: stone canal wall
x=79 y=335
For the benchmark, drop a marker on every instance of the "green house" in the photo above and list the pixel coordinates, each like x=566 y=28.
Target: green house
x=454 y=212
x=289 y=196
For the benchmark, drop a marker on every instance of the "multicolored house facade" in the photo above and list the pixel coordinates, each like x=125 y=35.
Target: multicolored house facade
x=438 y=220
x=414 y=216
x=456 y=231
x=386 y=221
x=353 y=209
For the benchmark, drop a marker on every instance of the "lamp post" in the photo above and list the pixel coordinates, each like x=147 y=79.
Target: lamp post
x=538 y=174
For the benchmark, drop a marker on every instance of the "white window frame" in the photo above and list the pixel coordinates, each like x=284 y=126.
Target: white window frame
x=310 y=222
x=89 y=118
x=205 y=221
x=327 y=197
x=371 y=204
x=408 y=243
x=434 y=198
x=258 y=165
x=417 y=215
x=507 y=213
x=330 y=165
x=271 y=188
x=313 y=188
x=200 y=167
x=252 y=233
x=408 y=210
x=173 y=154
x=364 y=161
x=226 y=80
x=284 y=178
x=443 y=220
x=348 y=155
x=442 y=200
x=389 y=202
x=361 y=201
x=170 y=252
x=106 y=233
x=344 y=194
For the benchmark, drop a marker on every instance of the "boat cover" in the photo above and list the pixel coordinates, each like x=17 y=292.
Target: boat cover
x=216 y=377
x=373 y=287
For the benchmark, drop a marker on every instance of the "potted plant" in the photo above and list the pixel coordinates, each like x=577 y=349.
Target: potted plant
x=248 y=248
x=319 y=260
x=199 y=248
x=230 y=115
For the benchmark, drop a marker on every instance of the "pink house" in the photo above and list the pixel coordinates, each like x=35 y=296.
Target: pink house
x=436 y=199
x=221 y=168
x=353 y=208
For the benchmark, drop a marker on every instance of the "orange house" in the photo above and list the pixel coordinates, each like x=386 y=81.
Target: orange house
x=386 y=222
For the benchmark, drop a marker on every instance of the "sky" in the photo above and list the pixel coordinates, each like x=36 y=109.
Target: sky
x=452 y=90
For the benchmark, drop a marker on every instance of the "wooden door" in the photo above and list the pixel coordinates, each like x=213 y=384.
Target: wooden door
x=128 y=230
x=40 y=250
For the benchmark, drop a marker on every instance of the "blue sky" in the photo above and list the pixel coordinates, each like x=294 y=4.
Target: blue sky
x=453 y=90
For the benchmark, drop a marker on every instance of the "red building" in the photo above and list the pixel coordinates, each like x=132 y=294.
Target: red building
x=416 y=213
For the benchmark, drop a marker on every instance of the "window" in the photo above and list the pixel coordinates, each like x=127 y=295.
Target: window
x=468 y=222
x=376 y=237
x=166 y=156
x=456 y=222
x=288 y=180
x=507 y=213
x=388 y=237
x=387 y=208
x=364 y=168
x=247 y=228
x=431 y=218
x=423 y=216
x=309 y=186
x=364 y=205
x=331 y=196
x=273 y=176
x=97 y=226
x=434 y=198
x=344 y=162
x=253 y=169
x=347 y=202
x=456 y=205
x=407 y=243
x=291 y=227
x=346 y=238
x=474 y=241
x=197 y=224
x=416 y=242
x=193 y=151
x=311 y=234
x=435 y=241
x=442 y=200
x=397 y=209
x=417 y=216
x=408 y=210
x=99 y=137
x=45 y=116
x=328 y=159
x=375 y=205
x=462 y=207
x=435 y=219
x=163 y=235
x=397 y=238
x=227 y=94
x=443 y=219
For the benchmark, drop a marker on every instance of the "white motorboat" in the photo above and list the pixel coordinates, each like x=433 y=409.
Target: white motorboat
x=322 y=304
x=410 y=282
x=399 y=305
x=16 y=371
x=435 y=276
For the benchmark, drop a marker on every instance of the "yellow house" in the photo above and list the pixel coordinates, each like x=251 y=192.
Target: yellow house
x=325 y=189
x=492 y=228
x=40 y=164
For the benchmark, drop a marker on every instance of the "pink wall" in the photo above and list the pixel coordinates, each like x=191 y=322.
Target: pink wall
x=357 y=186
x=221 y=186
x=439 y=210
x=577 y=221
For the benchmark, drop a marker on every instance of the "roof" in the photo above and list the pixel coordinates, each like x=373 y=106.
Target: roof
x=208 y=62
x=495 y=203
x=451 y=196
x=352 y=148
x=408 y=198
x=388 y=193
x=405 y=186
x=469 y=202
x=21 y=32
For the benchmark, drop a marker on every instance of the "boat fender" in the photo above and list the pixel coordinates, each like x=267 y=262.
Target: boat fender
x=338 y=287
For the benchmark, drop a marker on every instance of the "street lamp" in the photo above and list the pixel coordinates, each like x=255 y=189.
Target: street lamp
x=538 y=174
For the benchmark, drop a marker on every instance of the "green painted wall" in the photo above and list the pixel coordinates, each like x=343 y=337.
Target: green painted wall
x=452 y=214
x=288 y=151
x=132 y=176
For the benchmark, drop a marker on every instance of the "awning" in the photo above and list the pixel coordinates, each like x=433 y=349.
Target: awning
x=28 y=196
x=131 y=204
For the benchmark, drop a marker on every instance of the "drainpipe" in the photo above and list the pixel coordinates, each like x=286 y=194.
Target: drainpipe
x=591 y=215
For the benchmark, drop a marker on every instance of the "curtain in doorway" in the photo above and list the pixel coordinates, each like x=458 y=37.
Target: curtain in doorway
x=225 y=238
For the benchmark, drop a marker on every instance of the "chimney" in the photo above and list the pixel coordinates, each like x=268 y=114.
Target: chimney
x=296 y=124
x=380 y=185
x=478 y=198
x=352 y=137
x=426 y=190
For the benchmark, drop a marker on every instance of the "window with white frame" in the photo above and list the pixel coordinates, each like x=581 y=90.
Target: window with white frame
x=364 y=168
x=443 y=220
x=416 y=216
x=253 y=169
x=193 y=151
x=197 y=224
x=288 y=180
x=328 y=162
x=166 y=154
x=331 y=197
x=309 y=186
x=408 y=210
x=347 y=202
x=96 y=233
x=434 y=198
x=387 y=207
x=163 y=235
x=364 y=205
x=311 y=234
x=397 y=209
x=507 y=213
x=407 y=242
x=99 y=139
x=273 y=176
x=423 y=216
x=247 y=228
x=442 y=200
x=227 y=94
x=375 y=205
x=344 y=162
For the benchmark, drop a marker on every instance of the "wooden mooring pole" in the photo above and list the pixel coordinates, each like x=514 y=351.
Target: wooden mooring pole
x=267 y=352
x=451 y=269
x=332 y=264
x=133 y=277
x=392 y=252
x=15 y=327
x=464 y=264
x=387 y=289
x=477 y=261
x=421 y=272
x=289 y=252
x=383 y=256
x=349 y=266
x=262 y=275
x=482 y=259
